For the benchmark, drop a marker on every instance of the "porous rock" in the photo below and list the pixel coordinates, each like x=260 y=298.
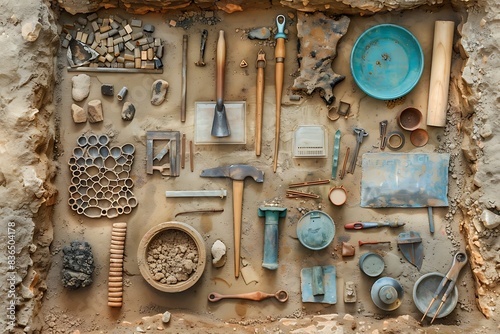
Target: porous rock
x=319 y=35
x=159 y=91
x=78 y=265
x=218 y=254
x=94 y=110
x=128 y=111
x=81 y=87
x=78 y=113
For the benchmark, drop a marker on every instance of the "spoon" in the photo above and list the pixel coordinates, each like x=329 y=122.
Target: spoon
x=281 y=296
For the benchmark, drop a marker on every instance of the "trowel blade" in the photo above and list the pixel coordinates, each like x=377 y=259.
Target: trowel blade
x=410 y=244
x=220 y=125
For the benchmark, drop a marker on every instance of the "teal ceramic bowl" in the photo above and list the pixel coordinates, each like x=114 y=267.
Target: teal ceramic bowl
x=387 y=62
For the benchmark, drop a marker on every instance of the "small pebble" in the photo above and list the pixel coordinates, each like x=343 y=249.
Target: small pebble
x=260 y=33
x=149 y=28
x=166 y=317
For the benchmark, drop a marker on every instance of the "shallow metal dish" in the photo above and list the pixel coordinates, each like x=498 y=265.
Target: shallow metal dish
x=424 y=290
x=387 y=62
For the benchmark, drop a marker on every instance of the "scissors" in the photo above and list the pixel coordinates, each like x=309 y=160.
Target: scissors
x=459 y=261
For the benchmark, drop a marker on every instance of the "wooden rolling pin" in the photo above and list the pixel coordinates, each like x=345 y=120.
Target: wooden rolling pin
x=115 y=278
x=440 y=73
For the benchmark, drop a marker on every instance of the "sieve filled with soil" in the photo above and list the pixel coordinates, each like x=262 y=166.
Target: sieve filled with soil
x=171 y=256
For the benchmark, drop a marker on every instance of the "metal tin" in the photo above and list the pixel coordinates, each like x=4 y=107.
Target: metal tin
x=371 y=264
x=338 y=195
x=387 y=293
x=315 y=230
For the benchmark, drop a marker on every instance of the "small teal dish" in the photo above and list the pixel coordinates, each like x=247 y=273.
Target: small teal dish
x=315 y=230
x=387 y=62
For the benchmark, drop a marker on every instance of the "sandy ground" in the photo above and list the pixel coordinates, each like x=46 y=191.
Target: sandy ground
x=87 y=307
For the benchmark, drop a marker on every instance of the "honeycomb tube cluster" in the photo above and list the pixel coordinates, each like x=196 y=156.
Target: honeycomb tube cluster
x=100 y=178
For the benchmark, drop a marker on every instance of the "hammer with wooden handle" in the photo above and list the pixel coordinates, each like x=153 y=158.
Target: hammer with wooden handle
x=237 y=173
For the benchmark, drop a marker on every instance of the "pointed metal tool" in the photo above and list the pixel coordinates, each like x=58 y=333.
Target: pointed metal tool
x=365 y=225
x=410 y=244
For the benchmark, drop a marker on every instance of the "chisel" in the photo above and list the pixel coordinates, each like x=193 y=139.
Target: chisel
x=364 y=225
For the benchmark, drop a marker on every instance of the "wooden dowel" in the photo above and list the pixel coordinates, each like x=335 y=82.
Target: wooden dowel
x=440 y=73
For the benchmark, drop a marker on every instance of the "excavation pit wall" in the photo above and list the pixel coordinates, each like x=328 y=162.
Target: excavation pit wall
x=45 y=136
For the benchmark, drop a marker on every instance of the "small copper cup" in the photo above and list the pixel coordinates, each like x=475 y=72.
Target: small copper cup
x=409 y=118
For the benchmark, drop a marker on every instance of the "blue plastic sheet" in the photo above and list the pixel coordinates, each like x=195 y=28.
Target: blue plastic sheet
x=404 y=180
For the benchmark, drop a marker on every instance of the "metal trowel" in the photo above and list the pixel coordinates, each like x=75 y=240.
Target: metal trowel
x=410 y=244
x=220 y=125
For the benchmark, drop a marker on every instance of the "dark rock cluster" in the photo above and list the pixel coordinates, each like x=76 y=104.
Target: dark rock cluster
x=78 y=265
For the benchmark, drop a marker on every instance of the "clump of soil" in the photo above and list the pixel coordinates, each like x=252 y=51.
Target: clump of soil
x=172 y=257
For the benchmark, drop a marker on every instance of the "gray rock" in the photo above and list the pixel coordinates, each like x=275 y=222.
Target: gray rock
x=128 y=111
x=81 y=87
x=78 y=265
x=490 y=219
x=149 y=28
x=259 y=33
x=166 y=317
x=79 y=115
x=82 y=21
x=107 y=90
x=94 y=110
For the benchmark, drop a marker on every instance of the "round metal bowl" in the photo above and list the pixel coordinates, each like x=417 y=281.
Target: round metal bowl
x=150 y=236
x=387 y=62
x=424 y=290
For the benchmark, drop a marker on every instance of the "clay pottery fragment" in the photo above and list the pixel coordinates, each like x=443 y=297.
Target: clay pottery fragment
x=347 y=249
